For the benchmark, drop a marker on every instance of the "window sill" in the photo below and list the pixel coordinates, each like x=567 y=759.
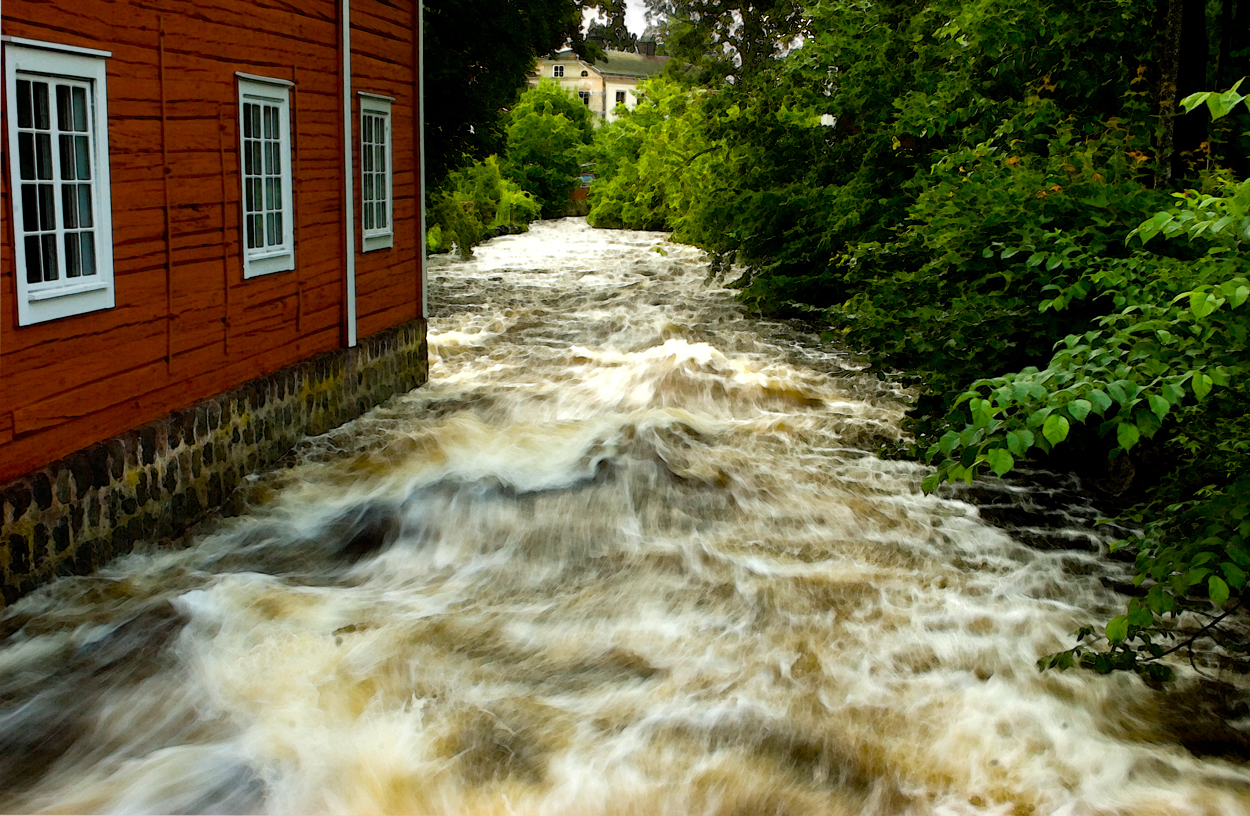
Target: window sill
x=382 y=240
x=66 y=291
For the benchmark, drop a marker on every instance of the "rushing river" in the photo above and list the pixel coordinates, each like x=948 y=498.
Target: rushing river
x=628 y=552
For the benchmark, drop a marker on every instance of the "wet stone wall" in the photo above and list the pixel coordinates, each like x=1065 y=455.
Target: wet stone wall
x=152 y=483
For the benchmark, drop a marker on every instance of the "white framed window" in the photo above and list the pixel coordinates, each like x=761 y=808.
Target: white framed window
x=557 y=71
x=267 y=202
x=376 y=201
x=620 y=97
x=59 y=169
x=585 y=97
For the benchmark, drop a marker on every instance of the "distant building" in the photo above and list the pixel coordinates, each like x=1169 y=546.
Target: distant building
x=603 y=84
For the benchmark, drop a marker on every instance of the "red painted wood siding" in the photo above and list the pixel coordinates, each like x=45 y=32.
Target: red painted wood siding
x=186 y=324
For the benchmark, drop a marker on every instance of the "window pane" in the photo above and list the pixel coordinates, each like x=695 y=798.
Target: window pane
x=277 y=193
x=256 y=121
x=366 y=159
x=50 y=272
x=43 y=120
x=80 y=110
x=84 y=206
x=30 y=208
x=381 y=219
x=64 y=109
x=83 y=149
x=73 y=268
x=368 y=213
x=24 y=119
x=247 y=120
x=26 y=152
x=277 y=158
x=47 y=208
x=34 y=260
x=269 y=111
x=251 y=232
x=87 y=240
x=67 y=158
x=43 y=155
x=269 y=202
x=271 y=238
x=69 y=206
x=277 y=228
x=367 y=130
x=367 y=190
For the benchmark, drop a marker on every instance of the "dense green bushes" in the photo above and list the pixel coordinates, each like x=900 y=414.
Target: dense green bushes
x=546 y=131
x=474 y=204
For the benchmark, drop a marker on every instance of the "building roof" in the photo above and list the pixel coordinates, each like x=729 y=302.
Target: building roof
x=621 y=63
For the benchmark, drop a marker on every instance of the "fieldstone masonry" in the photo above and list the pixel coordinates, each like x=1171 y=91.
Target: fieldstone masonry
x=154 y=482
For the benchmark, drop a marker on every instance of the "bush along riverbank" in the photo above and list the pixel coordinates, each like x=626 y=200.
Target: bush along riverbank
x=1022 y=210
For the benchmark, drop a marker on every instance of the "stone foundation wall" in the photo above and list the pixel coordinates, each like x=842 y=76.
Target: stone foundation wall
x=154 y=482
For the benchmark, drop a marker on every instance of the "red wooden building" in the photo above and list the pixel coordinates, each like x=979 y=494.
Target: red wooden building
x=196 y=194
x=211 y=244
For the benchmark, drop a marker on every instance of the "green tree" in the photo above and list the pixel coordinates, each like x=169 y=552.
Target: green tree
x=546 y=131
x=478 y=54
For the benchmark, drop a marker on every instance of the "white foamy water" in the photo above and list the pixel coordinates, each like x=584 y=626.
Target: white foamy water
x=628 y=552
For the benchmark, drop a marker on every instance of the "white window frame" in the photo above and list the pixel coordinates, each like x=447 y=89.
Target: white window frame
x=557 y=71
x=76 y=67
x=277 y=255
x=373 y=237
x=584 y=97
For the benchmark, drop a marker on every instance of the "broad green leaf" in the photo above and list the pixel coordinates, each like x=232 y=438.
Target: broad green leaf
x=948 y=441
x=1221 y=104
x=1015 y=444
x=1239 y=296
x=1236 y=575
x=1117 y=629
x=1141 y=616
x=1147 y=423
x=1201 y=383
x=1000 y=461
x=1194 y=100
x=1101 y=401
x=1126 y=435
x=1217 y=589
x=982 y=412
x=1079 y=409
x=1055 y=429
x=1117 y=392
x=1159 y=405
x=931 y=482
x=1201 y=304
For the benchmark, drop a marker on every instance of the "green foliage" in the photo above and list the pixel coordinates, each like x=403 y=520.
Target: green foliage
x=546 y=131
x=646 y=159
x=475 y=203
x=1169 y=361
x=477 y=55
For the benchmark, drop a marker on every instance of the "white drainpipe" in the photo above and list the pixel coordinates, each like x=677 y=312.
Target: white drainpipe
x=349 y=203
x=425 y=310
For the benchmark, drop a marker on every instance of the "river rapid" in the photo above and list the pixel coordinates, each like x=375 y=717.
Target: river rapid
x=628 y=552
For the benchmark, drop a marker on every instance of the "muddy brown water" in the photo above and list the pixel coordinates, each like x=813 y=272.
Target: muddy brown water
x=628 y=552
